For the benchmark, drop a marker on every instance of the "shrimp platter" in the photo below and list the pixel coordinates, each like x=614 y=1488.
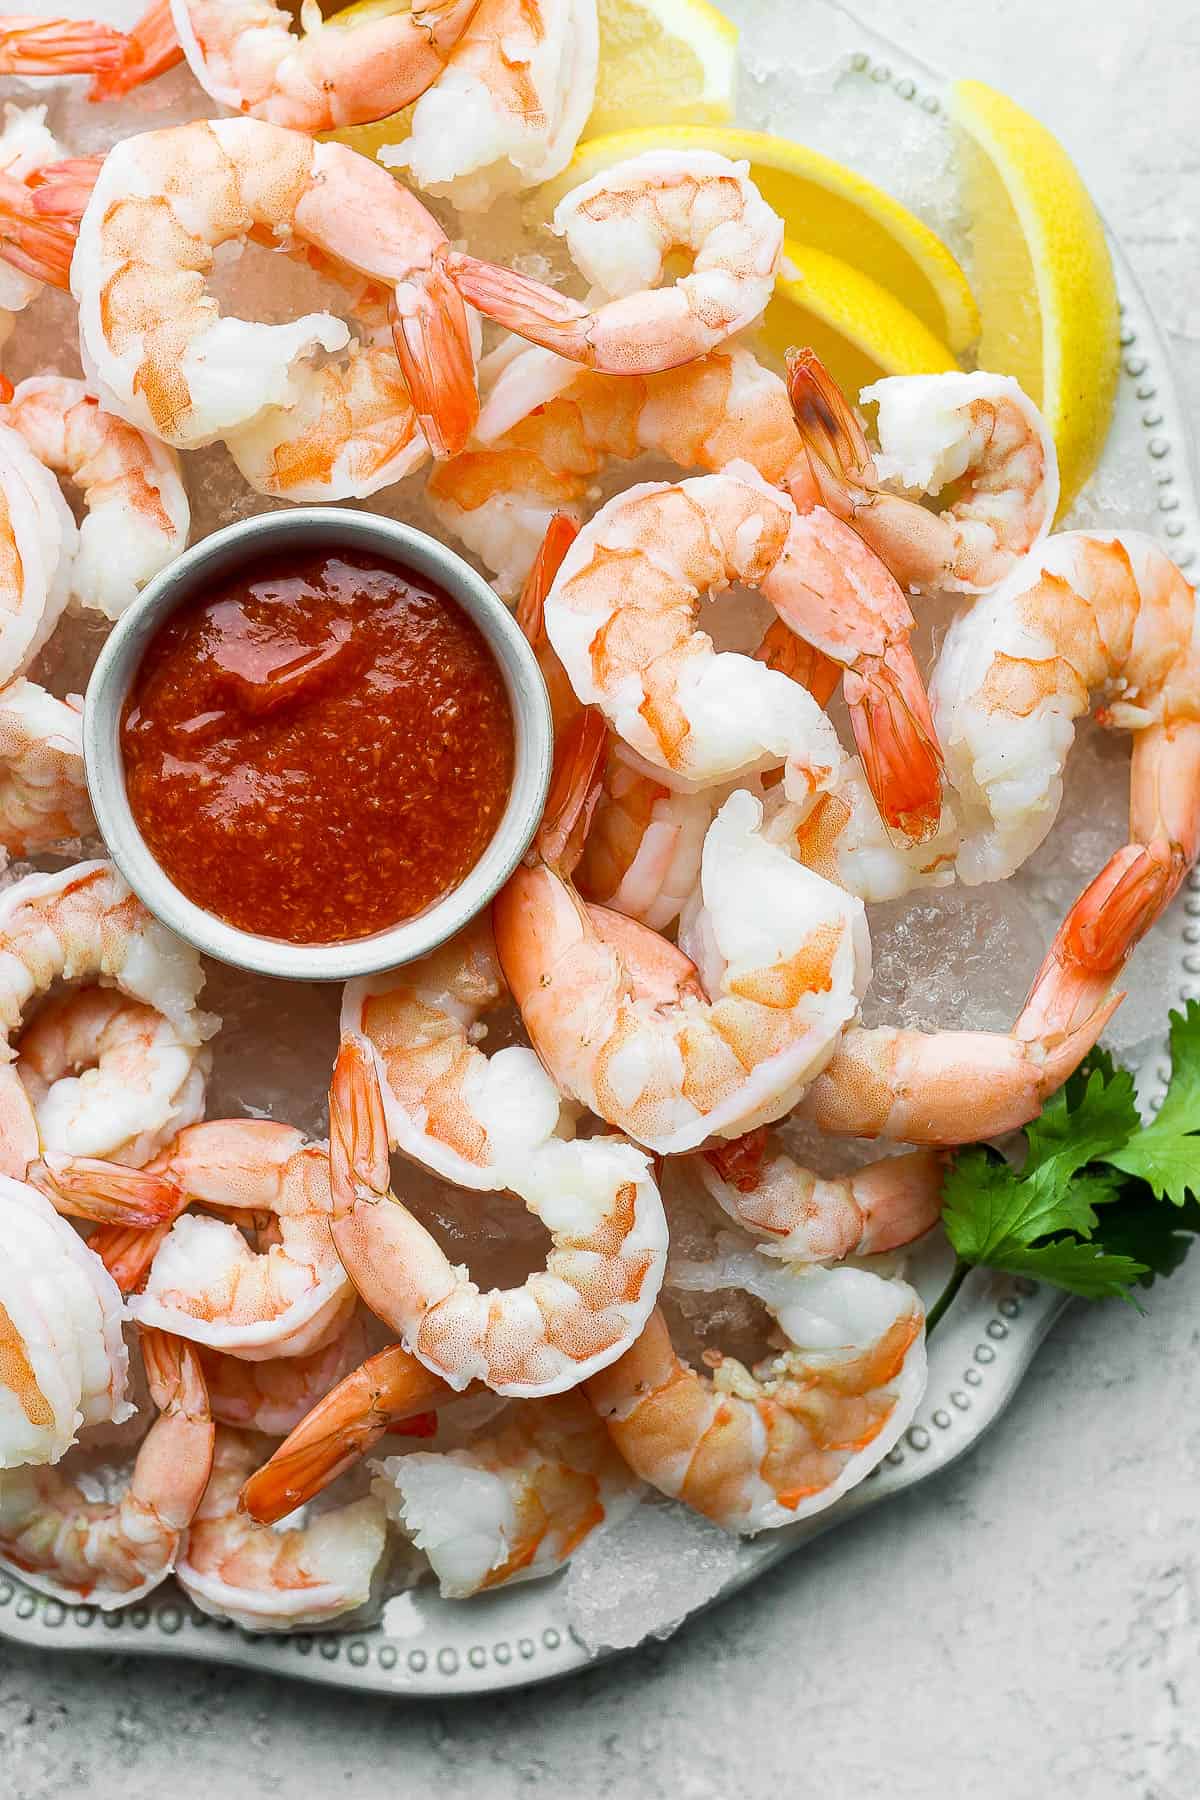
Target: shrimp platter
x=604 y=1244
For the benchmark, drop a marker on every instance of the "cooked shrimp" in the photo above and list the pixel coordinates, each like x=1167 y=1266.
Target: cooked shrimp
x=346 y=70
x=26 y=146
x=63 y=1362
x=756 y=1448
x=389 y=1392
x=39 y=46
x=979 y=434
x=621 y=227
x=843 y=838
x=672 y=1050
x=163 y=203
x=109 y=1077
x=83 y=924
x=267 y=1580
x=1089 y=615
x=513 y=1505
x=805 y=1217
x=38 y=540
x=206 y=1283
x=469 y=1117
x=598 y=1200
x=136 y=513
x=111 y=1553
x=508 y=110
x=547 y=428
x=151 y=48
x=43 y=789
x=273 y=1397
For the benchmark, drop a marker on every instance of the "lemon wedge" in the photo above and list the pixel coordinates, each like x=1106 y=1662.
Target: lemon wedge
x=663 y=61
x=1043 y=274
x=821 y=203
x=858 y=329
x=660 y=61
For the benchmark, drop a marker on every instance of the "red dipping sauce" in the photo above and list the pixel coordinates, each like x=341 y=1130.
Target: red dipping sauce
x=320 y=748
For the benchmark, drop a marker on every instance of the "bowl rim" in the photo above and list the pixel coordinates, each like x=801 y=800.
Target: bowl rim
x=219 y=554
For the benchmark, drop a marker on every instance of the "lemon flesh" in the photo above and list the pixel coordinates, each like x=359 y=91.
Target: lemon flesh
x=1043 y=274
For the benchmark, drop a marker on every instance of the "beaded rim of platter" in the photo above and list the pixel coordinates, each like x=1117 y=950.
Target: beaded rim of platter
x=981 y=1351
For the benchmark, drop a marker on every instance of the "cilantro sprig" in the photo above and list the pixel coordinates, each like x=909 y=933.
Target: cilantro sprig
x=1101 y=1201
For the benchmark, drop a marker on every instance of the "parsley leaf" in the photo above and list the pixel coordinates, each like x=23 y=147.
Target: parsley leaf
x=1086 y=1210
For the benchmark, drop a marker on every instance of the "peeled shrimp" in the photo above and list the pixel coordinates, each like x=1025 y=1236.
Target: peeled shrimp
x=111 y=1553
x=43 y=790
x=805 y=1217
x=84 y=924
x=161 y=353
x=979 y=434
x=469 y=1117
x=547 y=427
x=273 y=1397
x=63 y=1362
x=25 y=147
x=205 y=1283
x=346 y=70
x=673 y=1050
x=621 y=617
x=267 y=1580
x=136 y=512
x=513 y=1505
x=38 y=540
x=842 y=837
x=621 y=227
x=596 y=1197
x=508 y=110
x=753 y=1449
x=109 y=1077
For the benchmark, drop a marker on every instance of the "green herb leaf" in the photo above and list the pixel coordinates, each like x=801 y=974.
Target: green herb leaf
x=1166 y=1152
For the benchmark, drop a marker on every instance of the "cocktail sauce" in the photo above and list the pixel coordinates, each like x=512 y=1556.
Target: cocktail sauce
x=319 y=748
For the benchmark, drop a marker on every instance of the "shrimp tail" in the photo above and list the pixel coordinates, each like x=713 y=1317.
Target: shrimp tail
x=151 y=48
x=537 y=312
x=389 y=1390
x=560 y=534
x=800 y=661
x=62 y=190
x=174 y=1372
x=575 y=788
x=836 y=453
x=38 y=246
x=358 y=1137
x=433 y=345
x=894 y=731
x=739 y=1161
x=127 y=1251
x=83 y=1187
x=32 y=46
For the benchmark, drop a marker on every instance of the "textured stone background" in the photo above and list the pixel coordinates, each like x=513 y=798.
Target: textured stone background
x=1029 y=1624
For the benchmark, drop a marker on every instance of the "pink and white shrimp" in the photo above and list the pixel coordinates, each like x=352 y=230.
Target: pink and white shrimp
x=753 y=1449
x=268 y=1580
x=63 y=1361
x=109 y=1077
x=26 y=147
x=274 y=1397
x=979 y=435
x=508 y=110
x=513 y=1504
x=38 y=541
x=677 y=1048
x=34 y=45
x=113 y=1552
x=621 y=228
x=158 y=349
x=83 y=924
x=608 y=1232
x=206 y=1284
x=470 y=1117
x=43 y=788
x=136 y=513
x=805 y=1217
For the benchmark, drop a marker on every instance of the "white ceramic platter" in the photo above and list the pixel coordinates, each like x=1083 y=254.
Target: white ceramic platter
x=979 y=1353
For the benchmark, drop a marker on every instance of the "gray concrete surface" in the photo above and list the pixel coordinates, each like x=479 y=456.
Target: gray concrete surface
x=1028 y=1625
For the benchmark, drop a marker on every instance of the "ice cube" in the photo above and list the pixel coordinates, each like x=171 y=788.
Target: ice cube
x=960 y=958
x=641 y=1576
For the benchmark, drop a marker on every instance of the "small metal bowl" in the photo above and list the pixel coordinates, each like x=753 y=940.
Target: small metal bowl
x=301 y=529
